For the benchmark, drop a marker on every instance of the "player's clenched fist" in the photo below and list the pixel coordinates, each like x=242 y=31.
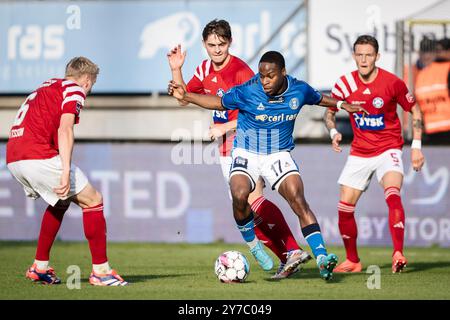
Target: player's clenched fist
x=417 y=159
x=337 y=138
x=176 y=90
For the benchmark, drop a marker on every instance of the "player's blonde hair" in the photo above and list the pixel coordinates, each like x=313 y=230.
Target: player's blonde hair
x=80 y=66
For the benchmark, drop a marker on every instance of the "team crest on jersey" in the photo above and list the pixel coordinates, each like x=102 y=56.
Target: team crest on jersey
x=377 y=102
x=369 y=122
x=220 y=92
x=261 y=107
x=294 y=104
x=240 y=162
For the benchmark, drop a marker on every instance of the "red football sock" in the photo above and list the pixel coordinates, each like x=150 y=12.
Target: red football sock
x=95 y=231
x=272 y=224
x=348 y=229
x=51 y=221
x=396 y=217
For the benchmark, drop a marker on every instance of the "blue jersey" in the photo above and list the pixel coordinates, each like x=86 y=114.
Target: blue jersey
x=265 y=124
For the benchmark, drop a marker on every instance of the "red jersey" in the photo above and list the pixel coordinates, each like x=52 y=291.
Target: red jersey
x=34 y=134
x=208 y=81
x=381 y=129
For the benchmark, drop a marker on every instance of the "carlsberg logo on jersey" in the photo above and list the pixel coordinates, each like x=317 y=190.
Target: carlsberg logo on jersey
x=277 y=118
x=369 y=122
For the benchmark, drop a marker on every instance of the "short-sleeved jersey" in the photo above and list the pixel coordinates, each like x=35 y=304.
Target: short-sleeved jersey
x=265 y=123
x=381 y=130
x=208 y=81
x=34 y=134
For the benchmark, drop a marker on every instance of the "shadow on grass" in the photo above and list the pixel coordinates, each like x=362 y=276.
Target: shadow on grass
x=147 y=277
x=307 y=274
x=421 y=266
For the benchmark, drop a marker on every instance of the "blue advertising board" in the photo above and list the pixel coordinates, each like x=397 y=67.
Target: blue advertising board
x=129 y=40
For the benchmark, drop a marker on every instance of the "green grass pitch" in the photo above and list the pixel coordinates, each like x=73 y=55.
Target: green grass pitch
x=185 y=271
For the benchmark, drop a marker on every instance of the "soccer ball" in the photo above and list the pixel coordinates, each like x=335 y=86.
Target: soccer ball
x=232 y=266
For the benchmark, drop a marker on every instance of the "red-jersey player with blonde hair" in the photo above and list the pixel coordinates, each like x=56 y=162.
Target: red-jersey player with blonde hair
x=39 y=156
x=376 y=147
x=215 y=76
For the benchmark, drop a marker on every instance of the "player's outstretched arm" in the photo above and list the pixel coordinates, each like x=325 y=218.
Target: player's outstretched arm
x=176 y=60
x=417 y=157
x=202 y=100
x=331 y=102
x=65 y=144
x=330 y=123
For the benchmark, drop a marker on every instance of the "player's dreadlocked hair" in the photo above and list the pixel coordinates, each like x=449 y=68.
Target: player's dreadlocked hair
x=79 y=66
x=366 y=39
x=221 y=28
x=273 y=57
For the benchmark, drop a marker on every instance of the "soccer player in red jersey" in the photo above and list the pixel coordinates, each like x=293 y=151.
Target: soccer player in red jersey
x=376 y=147
x=39 y=156
x=215 y=76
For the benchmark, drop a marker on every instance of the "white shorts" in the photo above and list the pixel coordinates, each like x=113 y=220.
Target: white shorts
x=225 y=165
x=358 y=171
x=273 y=167
x=39 y=177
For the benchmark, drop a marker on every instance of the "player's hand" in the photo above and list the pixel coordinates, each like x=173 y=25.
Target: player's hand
x=64 y=187
x=417 y=159
x=335 y=142
x=176 y=90
x=216 y=131
x=176 y=58
x=351 y=108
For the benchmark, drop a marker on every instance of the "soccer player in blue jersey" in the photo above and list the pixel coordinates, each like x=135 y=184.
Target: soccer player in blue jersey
x=268 y=105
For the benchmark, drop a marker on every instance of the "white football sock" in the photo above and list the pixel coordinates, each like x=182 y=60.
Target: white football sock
x=103 y=268
x=41 y=265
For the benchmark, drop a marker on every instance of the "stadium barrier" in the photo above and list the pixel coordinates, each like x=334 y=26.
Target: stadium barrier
x=175 y=193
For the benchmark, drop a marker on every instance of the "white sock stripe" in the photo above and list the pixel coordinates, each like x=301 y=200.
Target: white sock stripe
x=93 y=209
x=311 y=234
x=345 y=207
x=391 y=191
x=257 y=203
x=387 y=195
x=346 y=210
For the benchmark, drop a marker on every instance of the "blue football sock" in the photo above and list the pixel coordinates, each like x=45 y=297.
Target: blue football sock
x=246 y=227
x=314 y=238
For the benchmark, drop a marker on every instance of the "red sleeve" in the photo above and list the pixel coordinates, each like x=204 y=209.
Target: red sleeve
x=233 y=114
x=73 y=101
x=337 y=94
x=195 y=86
x=244 y=75
x=402 y=95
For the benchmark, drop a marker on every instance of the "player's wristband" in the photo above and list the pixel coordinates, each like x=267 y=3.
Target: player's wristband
x=333 y=132
x=416 y=144
x=339 y=105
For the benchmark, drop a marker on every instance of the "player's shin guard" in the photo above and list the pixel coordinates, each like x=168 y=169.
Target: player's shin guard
x=396 y=217
x=348 y=229
x=94 y=224
x=51 y=221
x=314 y=238
x=272 y=229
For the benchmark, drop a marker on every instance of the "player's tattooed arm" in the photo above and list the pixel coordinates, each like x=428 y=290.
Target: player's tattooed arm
x=417 y=122
x=329 y=118
x=330 y=122
x=417 y=157
x=210 y=102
